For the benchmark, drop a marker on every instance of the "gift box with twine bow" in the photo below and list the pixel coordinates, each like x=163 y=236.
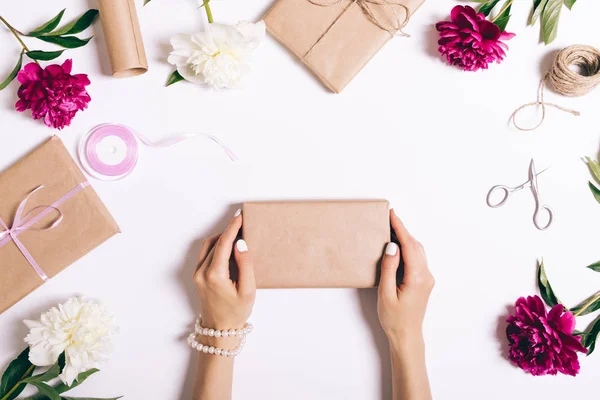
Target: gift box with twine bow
x=335 y=39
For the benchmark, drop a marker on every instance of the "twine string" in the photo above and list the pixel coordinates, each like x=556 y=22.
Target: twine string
x=565 y=81
x=366 y=9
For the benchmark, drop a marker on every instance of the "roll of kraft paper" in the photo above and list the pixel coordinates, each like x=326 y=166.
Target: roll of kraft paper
x=123 y=38
x=317 y=244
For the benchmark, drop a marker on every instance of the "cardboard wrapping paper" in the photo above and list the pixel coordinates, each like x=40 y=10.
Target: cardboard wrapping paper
x=123 y=38
x=316 y=244
x=86 y=222
x=335 y=41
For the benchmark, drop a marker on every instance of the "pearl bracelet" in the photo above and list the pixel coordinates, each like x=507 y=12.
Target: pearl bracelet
x=225 y=333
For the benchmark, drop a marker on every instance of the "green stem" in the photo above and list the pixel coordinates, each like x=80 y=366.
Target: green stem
x=596 y=297
x=208 y=12
x=11 y=391
x=504 y=8
x=16 y=34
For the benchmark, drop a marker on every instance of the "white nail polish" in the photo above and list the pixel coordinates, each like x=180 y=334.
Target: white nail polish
x=242 y=246
x=391 y=249
x=237 y=213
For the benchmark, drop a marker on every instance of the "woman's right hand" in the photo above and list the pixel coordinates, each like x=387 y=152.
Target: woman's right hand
x=402 y=308
x=225 y=304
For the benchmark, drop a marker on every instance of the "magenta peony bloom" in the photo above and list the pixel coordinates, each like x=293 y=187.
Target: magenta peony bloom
x=52 y=93
x=543 y=343
x=470 y=41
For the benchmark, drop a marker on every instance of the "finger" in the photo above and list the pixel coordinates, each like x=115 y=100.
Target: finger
x=415 y=262
x=404 y=236
x=224 y=245
x=200 y=274
x=389 y=267
x=243 y=259
x=205 y=248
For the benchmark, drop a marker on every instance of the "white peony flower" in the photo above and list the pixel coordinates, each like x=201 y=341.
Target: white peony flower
x=83 y=329
x=220 y=56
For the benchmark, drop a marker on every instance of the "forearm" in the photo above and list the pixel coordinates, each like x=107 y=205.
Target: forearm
x=214 y=375
x=409 y=371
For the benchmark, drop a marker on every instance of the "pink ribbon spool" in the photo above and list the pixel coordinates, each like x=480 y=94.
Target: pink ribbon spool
x=94 y=165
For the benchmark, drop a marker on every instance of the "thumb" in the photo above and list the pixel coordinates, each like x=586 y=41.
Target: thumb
x=389 y=266
x=246 y=281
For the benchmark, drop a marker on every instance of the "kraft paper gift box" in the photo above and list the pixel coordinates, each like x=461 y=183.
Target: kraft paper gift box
x=335 y=39
x=35 y=242
x=316 y=244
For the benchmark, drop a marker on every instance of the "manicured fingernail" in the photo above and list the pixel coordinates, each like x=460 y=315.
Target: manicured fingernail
x=242 y=246
x=237 y=213
x=391 y=249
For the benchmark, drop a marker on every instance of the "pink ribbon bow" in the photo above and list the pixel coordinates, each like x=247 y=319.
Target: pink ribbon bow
x=23 y=223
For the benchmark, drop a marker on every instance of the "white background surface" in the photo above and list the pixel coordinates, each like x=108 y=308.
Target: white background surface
x=430 y=138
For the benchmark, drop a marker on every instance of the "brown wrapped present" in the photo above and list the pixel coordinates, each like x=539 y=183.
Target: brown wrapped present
x=316 y=244
x=49 y=218
x=335 y=39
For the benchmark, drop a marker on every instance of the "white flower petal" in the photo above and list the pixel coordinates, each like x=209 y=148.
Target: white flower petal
x=227 y=38
x=182 y=41
x=176 y=58
x=254 y=33
x=204 y=42
x=188 y=73
x=41 y=355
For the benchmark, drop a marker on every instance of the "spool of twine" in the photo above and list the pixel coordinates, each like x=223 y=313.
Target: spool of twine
x=565 y=80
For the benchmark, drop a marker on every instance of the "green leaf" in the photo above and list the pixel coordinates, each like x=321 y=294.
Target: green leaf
x=174 y=78
x=50 y=374
x=69 y=42
x=146 y=2
x=487 y=8
x=589 y=340
x=46 y=390
x=43 y=55
x=48 y=26
x=595 y=191
x=538 y=8
x=595 y=266
x=18 y=369
x=578 y=333
x=77 y=26
x=13 y=74
x=545 y=289
x=61 y=388
x=550 y=18
x=586 y=307
x=502 y=20
x=594 y=167
x=570 y=4
x=91 y=398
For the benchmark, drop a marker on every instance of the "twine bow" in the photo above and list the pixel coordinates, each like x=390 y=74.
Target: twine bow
x=365 y=6
x=25 y=223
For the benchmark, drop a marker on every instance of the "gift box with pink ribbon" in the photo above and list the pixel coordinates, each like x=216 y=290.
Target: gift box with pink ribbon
x=50 y=217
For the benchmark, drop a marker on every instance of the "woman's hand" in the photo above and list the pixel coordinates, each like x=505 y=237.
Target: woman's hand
x=225 y=304
x=402 y=311
x=402 y=308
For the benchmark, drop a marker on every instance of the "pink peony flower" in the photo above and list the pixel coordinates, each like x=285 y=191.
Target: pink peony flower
x=543 y=343
x=470 y=41
x=52 y=93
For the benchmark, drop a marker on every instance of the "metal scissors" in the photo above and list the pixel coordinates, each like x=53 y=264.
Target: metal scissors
x=533 y=184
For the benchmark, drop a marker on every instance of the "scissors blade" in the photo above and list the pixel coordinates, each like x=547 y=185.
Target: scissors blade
x=533 y=175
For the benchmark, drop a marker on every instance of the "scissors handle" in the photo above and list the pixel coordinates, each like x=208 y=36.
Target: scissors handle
x=536 y=216
x=505 y=189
